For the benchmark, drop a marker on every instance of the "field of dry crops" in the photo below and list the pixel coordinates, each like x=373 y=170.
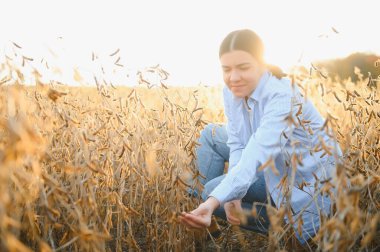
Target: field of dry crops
x=86 y=169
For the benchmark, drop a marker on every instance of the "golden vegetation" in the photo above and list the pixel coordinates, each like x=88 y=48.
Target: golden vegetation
x=85 y=169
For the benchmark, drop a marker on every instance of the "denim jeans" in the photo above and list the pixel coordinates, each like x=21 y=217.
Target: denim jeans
x=212 y=153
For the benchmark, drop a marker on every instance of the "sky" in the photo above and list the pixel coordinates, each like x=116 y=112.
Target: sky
x=182 y=36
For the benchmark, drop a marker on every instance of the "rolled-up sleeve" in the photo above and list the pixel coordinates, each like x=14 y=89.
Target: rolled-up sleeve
x=267 y=142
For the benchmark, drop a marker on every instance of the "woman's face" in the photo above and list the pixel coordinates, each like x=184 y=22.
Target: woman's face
x=241 y=72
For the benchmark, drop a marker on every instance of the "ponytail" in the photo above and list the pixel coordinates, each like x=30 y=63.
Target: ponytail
x=276 y=71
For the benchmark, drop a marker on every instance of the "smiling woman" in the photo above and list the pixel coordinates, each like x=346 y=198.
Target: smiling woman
x=258 y=141
x=241 y=56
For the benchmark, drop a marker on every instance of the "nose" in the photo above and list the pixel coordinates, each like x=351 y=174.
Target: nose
x=234 y=76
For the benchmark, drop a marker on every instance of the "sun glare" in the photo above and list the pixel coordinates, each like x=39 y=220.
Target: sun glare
x=295 y=33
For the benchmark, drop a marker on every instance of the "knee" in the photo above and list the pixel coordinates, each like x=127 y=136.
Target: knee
x=205 y=193
x=208 y=188
x=207 y=134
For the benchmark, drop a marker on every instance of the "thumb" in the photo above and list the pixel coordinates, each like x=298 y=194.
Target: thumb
x=238 y=206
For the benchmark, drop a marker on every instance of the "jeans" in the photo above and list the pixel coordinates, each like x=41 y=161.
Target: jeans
x=212 y=153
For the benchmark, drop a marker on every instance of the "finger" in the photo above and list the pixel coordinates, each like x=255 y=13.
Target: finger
x=197 y=211
x=238 y=207
x=190 y=224
x=185 y=223
x=193 y=226
x=233 y=220
x=199 y=220
x=229 y=216
x=228 y=205
x=183 y=214
x=230 y=209
x=185 y=217
x=202 y=221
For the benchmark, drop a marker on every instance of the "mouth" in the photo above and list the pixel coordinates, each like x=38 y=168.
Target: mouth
x=237 y=86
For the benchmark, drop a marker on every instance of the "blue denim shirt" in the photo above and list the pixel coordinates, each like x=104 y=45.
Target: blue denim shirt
x=259 y=130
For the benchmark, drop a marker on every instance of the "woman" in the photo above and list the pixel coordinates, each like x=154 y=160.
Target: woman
x=273 y=142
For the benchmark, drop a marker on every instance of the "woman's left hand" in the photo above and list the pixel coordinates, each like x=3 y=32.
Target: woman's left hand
x=233 y=211
x=200 y=217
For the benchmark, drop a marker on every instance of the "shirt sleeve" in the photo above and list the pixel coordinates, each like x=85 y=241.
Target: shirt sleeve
x=233 y=142
x=266 y=142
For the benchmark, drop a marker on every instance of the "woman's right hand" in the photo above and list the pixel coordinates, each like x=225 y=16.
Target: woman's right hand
x=200 y=217
x=233 y=211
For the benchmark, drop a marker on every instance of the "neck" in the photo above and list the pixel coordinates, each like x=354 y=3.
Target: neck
x=261 y=75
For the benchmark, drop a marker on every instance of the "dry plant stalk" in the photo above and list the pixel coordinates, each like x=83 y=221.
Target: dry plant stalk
x=85 y=169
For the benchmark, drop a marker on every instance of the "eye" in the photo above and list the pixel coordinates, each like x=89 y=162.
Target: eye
x=245 y=68
x=226 y=70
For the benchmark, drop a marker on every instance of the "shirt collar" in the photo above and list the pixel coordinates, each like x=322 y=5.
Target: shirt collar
x=256 y=94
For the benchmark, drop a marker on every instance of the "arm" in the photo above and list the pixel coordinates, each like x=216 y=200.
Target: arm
x=233 y=142
x=267 y=142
